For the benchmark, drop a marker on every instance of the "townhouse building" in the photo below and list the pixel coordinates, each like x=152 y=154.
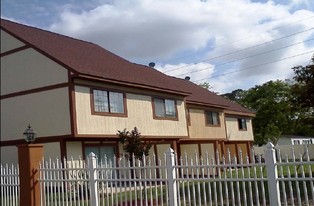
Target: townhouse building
x=76 y=95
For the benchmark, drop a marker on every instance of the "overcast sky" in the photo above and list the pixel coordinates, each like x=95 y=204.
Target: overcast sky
x=231 y=44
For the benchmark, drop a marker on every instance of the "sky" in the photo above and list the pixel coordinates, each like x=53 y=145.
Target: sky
x=230 y=44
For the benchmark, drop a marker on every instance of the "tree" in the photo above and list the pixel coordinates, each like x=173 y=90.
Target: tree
x=304 y=87
x=133 y=144
x=207 y=86
x=235 y=96
x=303 y=91
x=271 y=101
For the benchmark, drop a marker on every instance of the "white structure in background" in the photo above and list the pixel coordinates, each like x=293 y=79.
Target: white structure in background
x=300 y=144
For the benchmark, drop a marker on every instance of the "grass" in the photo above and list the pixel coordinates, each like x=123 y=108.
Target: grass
x=260 y=171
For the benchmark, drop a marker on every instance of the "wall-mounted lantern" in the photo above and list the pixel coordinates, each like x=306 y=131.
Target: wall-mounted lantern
x=29 y=135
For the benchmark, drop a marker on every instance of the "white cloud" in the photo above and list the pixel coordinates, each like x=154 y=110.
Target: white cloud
x=194 y=71
x=148 y=30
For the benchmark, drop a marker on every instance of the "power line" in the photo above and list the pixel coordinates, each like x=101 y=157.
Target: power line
x=241 y=50
x=247 y=57
x=255 y=66
x=248 y=37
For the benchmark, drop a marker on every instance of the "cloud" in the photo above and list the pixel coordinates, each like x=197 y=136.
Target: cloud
x=140 y=29
x=194 y=71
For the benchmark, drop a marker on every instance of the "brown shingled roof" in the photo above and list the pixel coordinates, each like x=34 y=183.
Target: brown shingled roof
x=91 y=60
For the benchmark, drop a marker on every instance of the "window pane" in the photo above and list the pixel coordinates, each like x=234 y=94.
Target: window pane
x=212 y=118
x=94 y=149
x=101 y=101
x=209 y=117
x=170 y=108
x=159 y=107
x=116 y=102
x=215 y=117
x=242 y=124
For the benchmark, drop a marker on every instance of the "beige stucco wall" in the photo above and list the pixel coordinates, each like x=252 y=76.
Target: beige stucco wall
x=233 y=132
x=28 y=69
x=8 y=42
x=52 y=151
x=140 y=114
x=47 y=112
x=74 y=150
x=9 y=155
x=199 y=129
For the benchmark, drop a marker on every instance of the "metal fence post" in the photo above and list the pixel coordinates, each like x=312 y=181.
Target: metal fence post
x=272 y=175
x=92 y=165
x=171 y=178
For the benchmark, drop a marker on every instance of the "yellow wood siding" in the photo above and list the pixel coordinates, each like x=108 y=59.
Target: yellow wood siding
x=198 y=128
x=8 y=42
x=47 y=112
x=28 y=69
x=233 y=132
x=208 y=149
x=139 y=114
x=190 y=150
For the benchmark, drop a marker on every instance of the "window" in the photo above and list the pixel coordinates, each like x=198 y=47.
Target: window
x=165 y=108
x=108 y=102
x=101 y=151
x=212 y=118
x=242 y=124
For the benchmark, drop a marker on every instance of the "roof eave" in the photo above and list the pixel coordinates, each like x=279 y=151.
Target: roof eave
x=118 y=82
x=206 y=104
x=232 y=112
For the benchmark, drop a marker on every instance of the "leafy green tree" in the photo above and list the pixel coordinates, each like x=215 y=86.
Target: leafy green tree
x=304 y=87
x=133 y=144
x=303 y=92
x=207 y=86
x=235 y=96
x=271 y=101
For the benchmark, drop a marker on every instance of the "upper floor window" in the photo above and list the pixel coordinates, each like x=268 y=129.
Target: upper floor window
x=164 y=108
x=108 y=102
x=212 y=118
x=242 y=124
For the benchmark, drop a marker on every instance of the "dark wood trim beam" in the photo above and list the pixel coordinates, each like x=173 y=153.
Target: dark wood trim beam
x=51 y=87
x=14 y=50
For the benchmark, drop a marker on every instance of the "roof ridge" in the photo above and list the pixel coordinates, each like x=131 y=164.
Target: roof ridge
x=45 y=30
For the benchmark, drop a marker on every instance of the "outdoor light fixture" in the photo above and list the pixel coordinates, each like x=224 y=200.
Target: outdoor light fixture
x=29 y=134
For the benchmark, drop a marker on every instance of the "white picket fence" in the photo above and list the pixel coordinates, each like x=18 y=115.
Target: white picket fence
x=9 y=185
x=173 y=181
